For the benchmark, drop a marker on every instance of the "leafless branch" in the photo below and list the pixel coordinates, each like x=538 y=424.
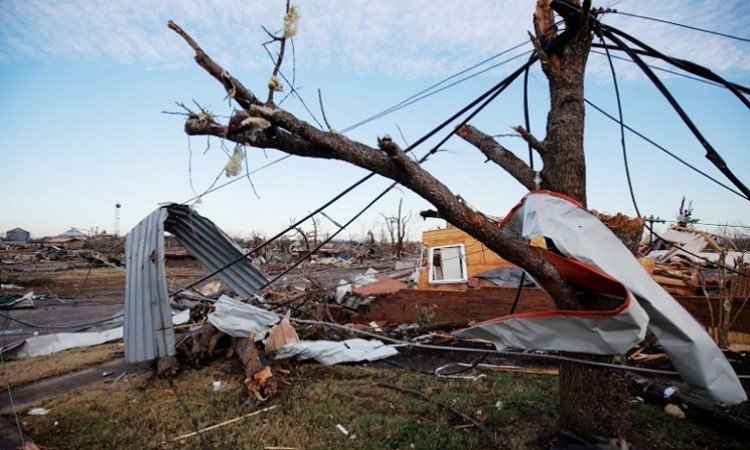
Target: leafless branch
x=499 y=155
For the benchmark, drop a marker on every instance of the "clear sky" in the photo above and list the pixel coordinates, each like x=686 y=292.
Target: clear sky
x=83 y=85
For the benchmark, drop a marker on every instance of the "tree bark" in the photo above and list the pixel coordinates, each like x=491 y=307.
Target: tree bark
x=593 y=401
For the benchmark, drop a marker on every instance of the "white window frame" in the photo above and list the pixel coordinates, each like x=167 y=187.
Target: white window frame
x=462 y=253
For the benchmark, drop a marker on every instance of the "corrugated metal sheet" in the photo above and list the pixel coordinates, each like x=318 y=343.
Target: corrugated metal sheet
x=148 y=323
x=204 y=240
x=148 y=317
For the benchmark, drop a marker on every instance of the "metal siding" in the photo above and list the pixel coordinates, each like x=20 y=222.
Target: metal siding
x=148 y=323
x=204 y=240
x=148 y=329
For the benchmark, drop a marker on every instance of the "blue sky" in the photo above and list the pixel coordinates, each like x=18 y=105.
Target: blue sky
x=83 y=84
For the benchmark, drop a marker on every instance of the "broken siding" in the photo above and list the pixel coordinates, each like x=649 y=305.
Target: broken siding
x=148 y=321
x=204 y=240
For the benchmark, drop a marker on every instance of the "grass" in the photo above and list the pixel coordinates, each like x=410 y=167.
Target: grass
x=26 y=371
x=517 y=409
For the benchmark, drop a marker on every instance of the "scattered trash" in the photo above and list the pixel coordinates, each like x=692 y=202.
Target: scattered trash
x=218 y=385
x=343 y=430
x=337 y=352
x=594 y=258
x=674 y=410
x=15 y=301
x=280 y=335
x=119 y=377
x=212 y=288
x=38 y=412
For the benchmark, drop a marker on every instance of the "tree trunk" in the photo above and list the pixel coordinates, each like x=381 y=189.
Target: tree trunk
x=593 y=401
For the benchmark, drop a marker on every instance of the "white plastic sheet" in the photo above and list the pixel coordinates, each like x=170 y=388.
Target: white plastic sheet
x=46 y=344
x=582 y=237
x=337 y=352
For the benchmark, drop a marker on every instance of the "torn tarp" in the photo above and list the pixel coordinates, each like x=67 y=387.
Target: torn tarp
x=596 y=261
x=337 y=352
x=239 y=319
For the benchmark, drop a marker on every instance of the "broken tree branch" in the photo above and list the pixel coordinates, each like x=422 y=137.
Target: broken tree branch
x=498 y=154
x=295 y=136
x=535 y=143
x=234 y=88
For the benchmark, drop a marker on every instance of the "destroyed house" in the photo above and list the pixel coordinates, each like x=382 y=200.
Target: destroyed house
x=460 y=279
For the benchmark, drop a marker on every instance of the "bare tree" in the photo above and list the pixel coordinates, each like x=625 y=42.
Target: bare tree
x=685 y=215
x=592 y=400
x=302 y=234
x=398 y=227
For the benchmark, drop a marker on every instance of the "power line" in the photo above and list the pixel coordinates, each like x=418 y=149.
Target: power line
x=690 y=27
x=430 y=94
x=622 y=126
x=403 y=102
x=419 y=95
x=711 y=153
x=663 y=149
x=60 y=327
x=661 y=69
x=242 y=177
x=483 y=100
x=480 y=102
x=706 y=224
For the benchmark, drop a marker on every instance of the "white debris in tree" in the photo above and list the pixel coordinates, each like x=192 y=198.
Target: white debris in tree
x=275 y=84
x=255 y=123
x=291 y=22
x=234 y=165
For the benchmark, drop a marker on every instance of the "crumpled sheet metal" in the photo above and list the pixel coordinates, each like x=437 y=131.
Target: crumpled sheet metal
x=212 y=247
x=337 y=352
x=583 y=239
x=148 y=327
x=148 y=322
x=239 y=319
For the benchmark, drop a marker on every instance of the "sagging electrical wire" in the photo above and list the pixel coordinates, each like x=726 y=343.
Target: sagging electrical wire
x=598 y=31
x=531 y=355
x=569 y=10
x=425 y=93
x=62 y=327
x=670 y=22
x=663 y=149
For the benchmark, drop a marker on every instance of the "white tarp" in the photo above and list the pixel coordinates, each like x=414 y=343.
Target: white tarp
x=337 y=352
x=46 y=344
x=239 y=319
x=583 y=238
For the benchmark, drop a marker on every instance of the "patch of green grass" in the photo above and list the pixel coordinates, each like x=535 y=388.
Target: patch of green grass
x=516 y=409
